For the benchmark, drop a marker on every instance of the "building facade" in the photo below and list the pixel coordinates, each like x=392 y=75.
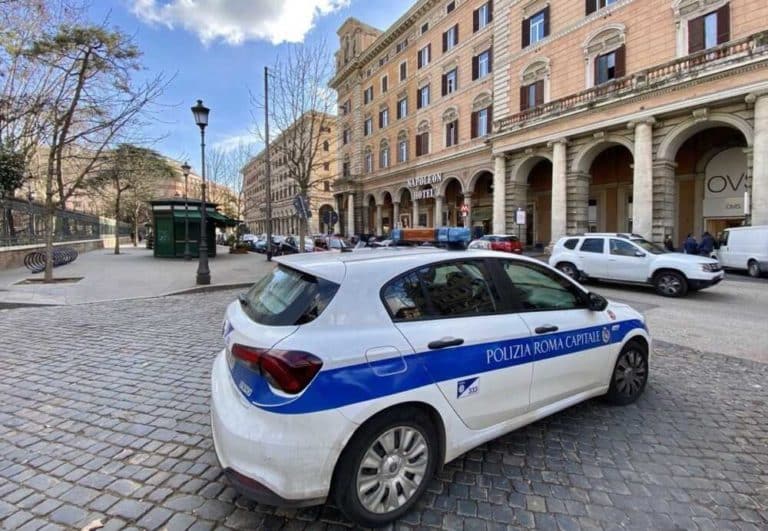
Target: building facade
x=648 y=116
x=284 y=188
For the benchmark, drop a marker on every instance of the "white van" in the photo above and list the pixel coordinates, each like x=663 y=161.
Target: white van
x=745 y=248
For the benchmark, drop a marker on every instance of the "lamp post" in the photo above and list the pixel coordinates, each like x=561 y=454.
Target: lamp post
x=200 y=113
x=185 y=169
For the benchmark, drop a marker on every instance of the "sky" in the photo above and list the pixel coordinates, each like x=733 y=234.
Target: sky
x=216 y=50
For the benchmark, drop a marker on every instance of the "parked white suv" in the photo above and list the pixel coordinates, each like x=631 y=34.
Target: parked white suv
x=629 y=258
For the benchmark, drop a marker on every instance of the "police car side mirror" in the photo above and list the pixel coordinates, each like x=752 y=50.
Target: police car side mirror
x=597 y=303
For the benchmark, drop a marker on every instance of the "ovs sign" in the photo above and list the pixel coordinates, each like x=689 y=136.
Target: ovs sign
x=725 y=181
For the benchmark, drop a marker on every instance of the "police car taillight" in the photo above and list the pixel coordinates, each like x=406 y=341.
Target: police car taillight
x=287 y=370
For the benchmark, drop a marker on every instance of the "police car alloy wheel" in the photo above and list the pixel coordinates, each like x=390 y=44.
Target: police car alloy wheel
x=386 y=467
x=670 y=284
x=630 y=375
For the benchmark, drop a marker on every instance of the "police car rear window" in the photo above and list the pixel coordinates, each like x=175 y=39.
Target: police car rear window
x=287 y=297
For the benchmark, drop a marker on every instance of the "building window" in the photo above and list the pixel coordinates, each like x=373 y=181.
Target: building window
x=326 y=146
x=450 y=38
x=326 y=186
x=368 y=162
x=384 y=84
x=326 y=166
x=402 y=151
x=422 y=97
x=452 y=133
x=368 y=126
x=450 y=7
x=531 y=95
x=402 y=108
x=424 y=28
x=536 y=27
x=401 y=46
x=345 y=169
x=368 y=95
x=346 y=136
x=450 y=82
x=594 y=5
x=422 y=144
x=481 y=122
x=424 y=56
x=383 y=118
x=482 y=16
x=482 y=65
x=709 y=30
x=384 y=157
x=609 y=66
x=403 y=70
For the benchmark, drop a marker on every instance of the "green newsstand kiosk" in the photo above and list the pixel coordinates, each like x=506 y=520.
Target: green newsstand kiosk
x=168 y=217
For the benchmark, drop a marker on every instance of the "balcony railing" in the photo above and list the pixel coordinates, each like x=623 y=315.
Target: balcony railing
x=673 y=72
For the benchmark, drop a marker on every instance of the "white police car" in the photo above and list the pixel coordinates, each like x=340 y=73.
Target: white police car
x=356 y=375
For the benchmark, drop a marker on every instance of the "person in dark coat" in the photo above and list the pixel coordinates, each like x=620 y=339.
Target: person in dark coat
x=668 y=244
x=707 y=244
x=691 y=246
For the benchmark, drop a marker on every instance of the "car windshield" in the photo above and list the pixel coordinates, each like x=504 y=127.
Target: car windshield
x=650 y=247
x=287 y=297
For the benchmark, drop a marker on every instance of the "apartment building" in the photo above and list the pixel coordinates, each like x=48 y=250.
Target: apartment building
x=648 y=116
x=284 y=188
x=415 y=115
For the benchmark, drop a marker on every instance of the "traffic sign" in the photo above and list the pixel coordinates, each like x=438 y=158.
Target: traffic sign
x=520 y=216
x=330 y=217
x=301 y=205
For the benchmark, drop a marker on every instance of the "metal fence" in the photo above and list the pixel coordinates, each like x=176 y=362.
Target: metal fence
x=23 y=223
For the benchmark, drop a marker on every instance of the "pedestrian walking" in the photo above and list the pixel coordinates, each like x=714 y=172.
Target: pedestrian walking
x=707 y=244
x=669 y=244
x=690 y=245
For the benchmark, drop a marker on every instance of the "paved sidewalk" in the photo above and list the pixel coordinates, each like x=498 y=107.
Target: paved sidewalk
x=133 y=274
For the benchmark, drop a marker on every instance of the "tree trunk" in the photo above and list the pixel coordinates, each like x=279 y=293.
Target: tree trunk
x=117 y=222
x=136 y=227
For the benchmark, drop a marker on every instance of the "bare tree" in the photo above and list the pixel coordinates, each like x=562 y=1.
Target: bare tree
x=93 y=103
x=225 y=168
x=300 y=106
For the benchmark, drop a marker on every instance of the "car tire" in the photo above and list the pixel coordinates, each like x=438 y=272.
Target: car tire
x=405 y=468
x=670 y=284
x=753 y=268
x=630 y=374
x=570 y=270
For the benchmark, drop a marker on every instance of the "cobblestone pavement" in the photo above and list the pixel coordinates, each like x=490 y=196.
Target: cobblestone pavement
x=104 y=416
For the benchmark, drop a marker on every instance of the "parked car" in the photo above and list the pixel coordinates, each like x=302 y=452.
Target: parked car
x=630 y=259
x=498 y=242
x=745 y=248
x=477 y=343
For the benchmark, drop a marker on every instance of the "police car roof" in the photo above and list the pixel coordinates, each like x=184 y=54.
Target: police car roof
x=332 y=265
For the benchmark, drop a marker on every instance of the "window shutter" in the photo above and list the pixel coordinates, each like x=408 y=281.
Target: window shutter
x=445 y=84
x=418 y=98
x=399 y=114
x=596 y=66
x=490 y=119
x=381 y=120
x=546 y=21
x=621 y=61
x=591 y=6
x=490 y=59
x=445 y=42
x=475 y=67
x=473 y=132
x=523 y=98
x=724 y=24
x=540 y=92
x=418 y=59
x=526 y=32
x=696 y=35
x=475 y=20
x=447 y=134
x=429 y=52
x=455 y=132
x=456 y=36
x=490 y=10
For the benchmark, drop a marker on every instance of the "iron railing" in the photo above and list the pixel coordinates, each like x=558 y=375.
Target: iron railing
x=23 y=222
x=673 y=72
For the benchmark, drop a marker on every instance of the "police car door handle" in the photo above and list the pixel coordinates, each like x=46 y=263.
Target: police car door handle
x=445 y=343
x=546 y=329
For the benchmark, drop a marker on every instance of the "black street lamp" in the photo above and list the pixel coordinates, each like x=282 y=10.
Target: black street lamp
x=185 y=169
x=200 y=112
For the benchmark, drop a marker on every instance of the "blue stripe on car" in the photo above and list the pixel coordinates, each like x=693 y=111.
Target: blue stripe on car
x=358 y=383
